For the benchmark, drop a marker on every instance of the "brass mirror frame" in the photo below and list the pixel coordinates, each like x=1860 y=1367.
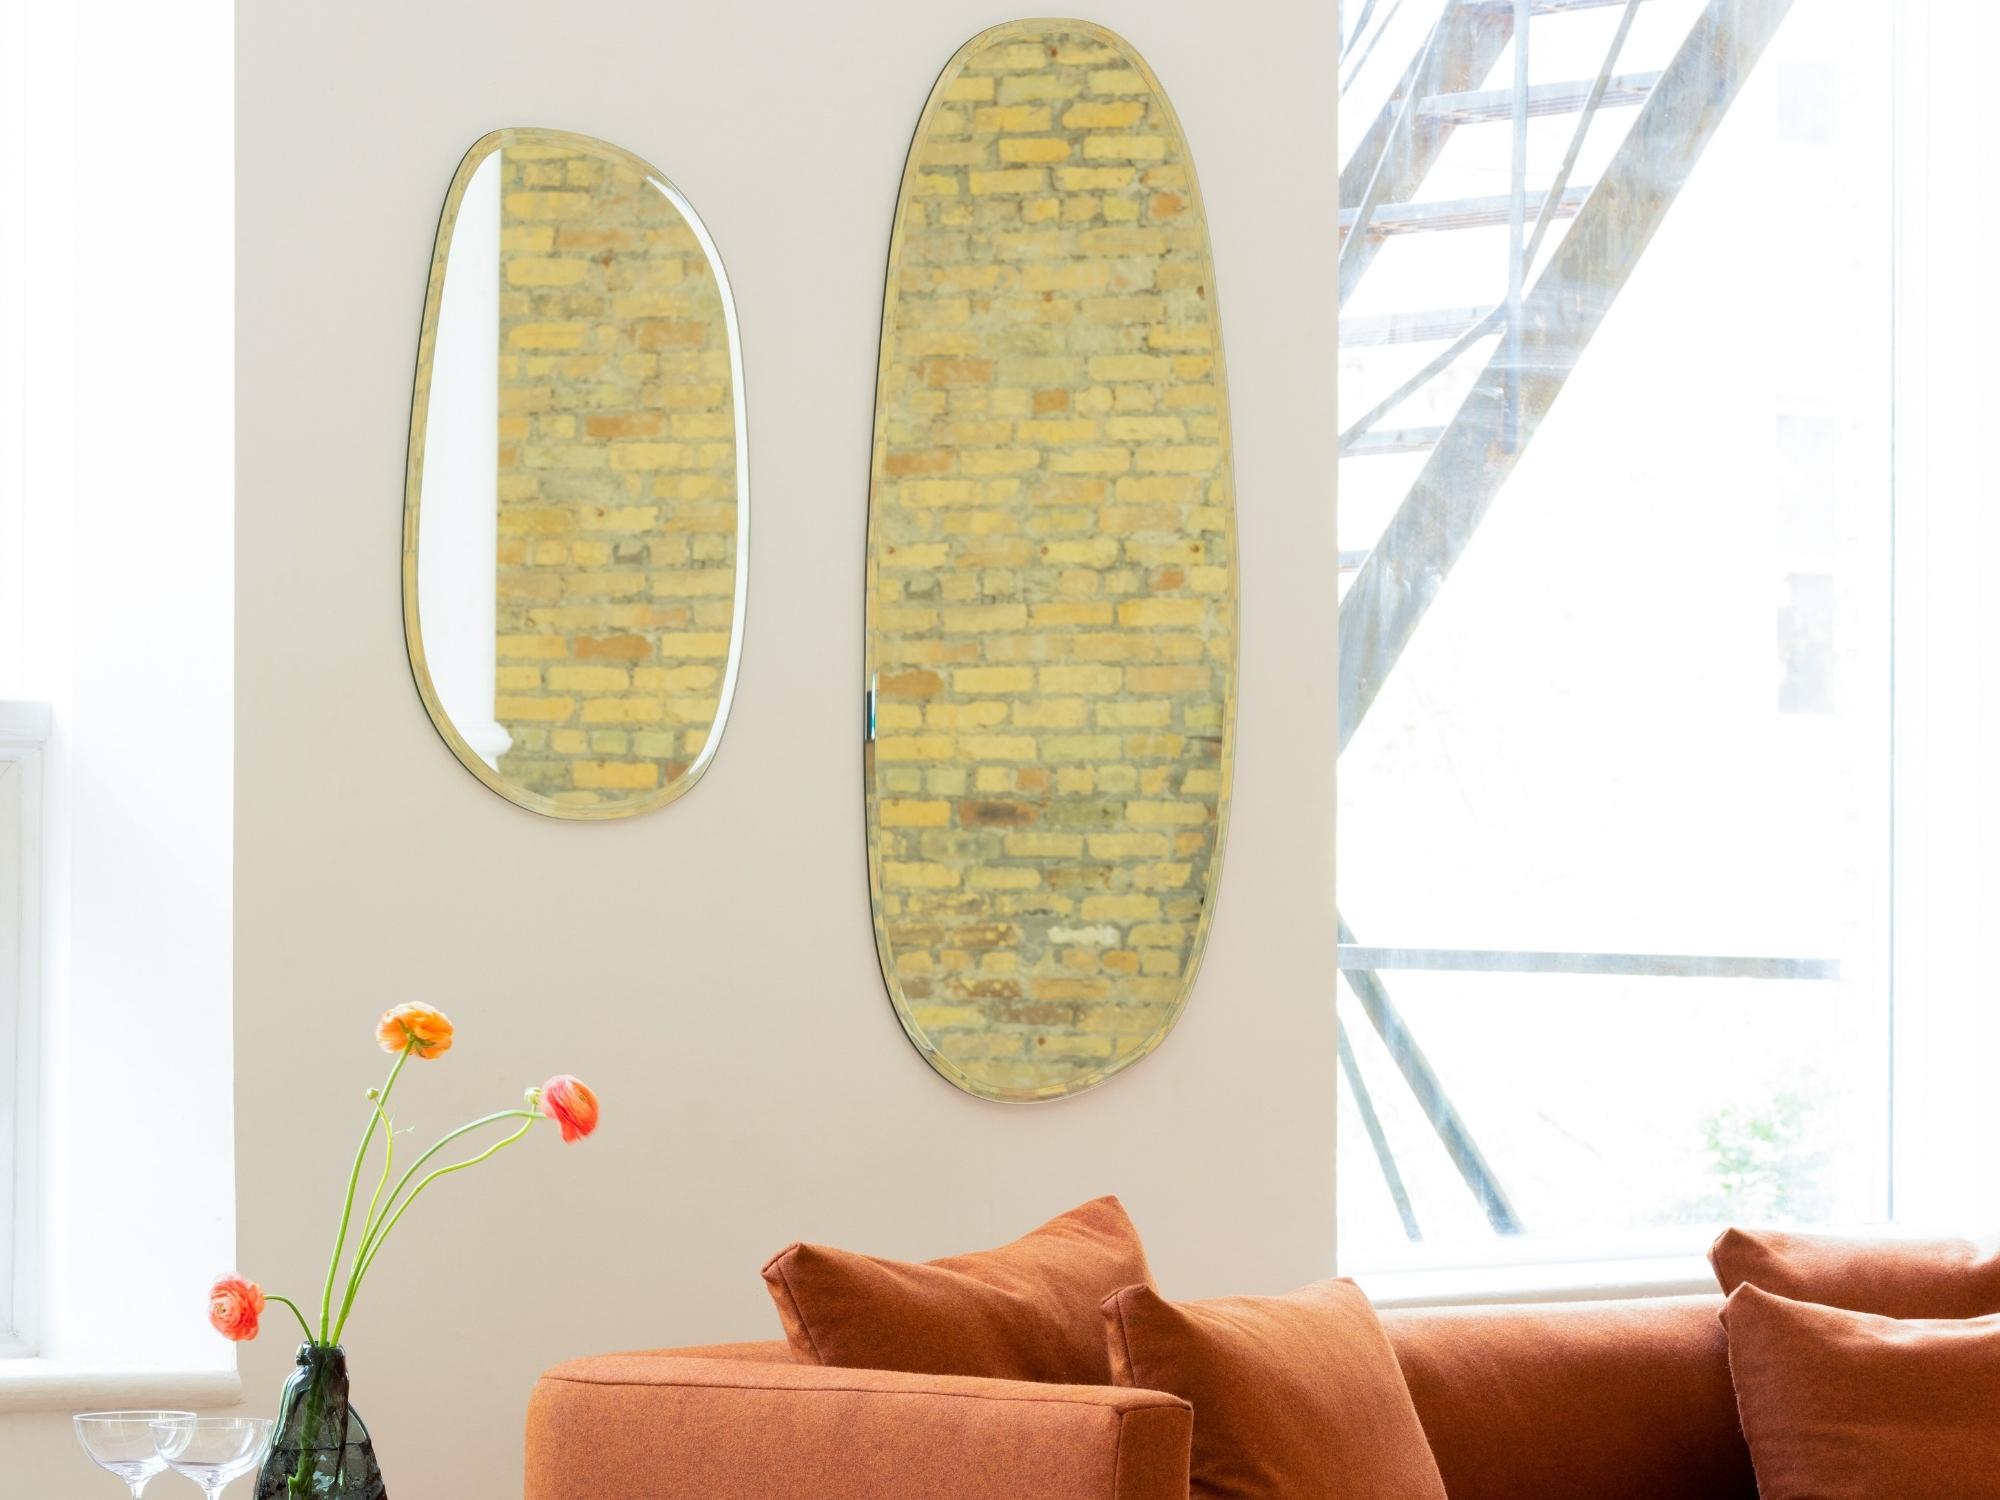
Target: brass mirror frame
x=1038 y=29
x=485 y=146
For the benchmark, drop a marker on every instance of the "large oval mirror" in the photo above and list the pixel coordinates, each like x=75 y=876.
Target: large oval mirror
x=1051 y=571
x=577 y=502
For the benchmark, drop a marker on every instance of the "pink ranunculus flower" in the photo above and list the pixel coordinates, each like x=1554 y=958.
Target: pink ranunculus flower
x=234 y=1307
x=570 y=1103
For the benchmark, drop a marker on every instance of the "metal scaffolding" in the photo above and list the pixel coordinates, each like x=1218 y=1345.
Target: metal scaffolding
x=1540 y=323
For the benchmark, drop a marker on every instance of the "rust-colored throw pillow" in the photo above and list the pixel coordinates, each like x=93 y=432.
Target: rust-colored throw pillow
x=1891 y=1278
x=1026 y=1311
x=1295 y=1398
x=1842 y=1405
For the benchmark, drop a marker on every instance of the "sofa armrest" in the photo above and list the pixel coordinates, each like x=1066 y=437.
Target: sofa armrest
x=664 y=1427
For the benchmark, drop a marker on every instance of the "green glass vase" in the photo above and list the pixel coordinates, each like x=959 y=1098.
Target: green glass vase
x=320 y=1450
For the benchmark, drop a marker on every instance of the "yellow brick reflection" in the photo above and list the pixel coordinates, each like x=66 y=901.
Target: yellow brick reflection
x=618 y=460
x=1051 y=545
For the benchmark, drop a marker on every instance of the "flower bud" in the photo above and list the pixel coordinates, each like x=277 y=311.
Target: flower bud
x=571 y=1104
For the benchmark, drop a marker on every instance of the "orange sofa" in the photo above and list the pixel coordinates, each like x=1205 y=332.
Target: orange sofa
x=1576 y=1401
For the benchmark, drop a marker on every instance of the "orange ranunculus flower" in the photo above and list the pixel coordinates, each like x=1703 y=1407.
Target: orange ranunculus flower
x=424 y=1031
x=234 y=1306
x=570 y=1103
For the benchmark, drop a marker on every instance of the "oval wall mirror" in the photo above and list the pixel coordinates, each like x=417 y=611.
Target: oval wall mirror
x=1051 y=632
x=577 y=503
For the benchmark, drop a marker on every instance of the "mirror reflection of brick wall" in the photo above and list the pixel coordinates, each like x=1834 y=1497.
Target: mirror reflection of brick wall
x=617 y=497
x=1051 y=563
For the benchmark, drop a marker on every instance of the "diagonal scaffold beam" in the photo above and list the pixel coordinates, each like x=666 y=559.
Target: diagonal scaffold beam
x=1378 y=1138
x=1402 y=143
x=1428 y=1090
x=1424 y=540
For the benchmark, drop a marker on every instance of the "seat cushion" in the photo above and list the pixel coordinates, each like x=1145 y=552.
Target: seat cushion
x=1577 y=1401
x=1891 y=1278
x=1026 y=1311
x=1841 y=1405
x=1295 y=1398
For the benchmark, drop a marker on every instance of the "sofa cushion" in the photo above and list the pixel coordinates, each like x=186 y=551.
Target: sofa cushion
x=1295 y=1397
x=1026 y=1311
x=1842 y=1405
x=1891 y=1278
x=1577 y=1401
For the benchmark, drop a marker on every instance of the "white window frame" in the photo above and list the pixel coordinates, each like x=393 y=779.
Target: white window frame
x=14 y=275
x=24 y=731
x=24 y=734
x=1945 y=1004
x=137 y=816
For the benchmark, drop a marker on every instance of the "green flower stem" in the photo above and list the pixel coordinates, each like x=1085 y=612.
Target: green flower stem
x=373 y=1246
x=300 y=1482
x=354 y=1181
x=418 y=1165
x=388 y=1163
x=304 y=1326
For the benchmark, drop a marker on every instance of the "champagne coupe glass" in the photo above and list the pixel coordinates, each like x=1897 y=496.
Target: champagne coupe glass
x=122 y=1442
x=212 y=1450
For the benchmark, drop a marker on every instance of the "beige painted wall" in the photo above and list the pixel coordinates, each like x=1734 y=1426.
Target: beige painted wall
x=721 y=988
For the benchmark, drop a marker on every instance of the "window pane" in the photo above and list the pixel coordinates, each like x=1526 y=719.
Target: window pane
x=1614 y=793
x=1617 y=1112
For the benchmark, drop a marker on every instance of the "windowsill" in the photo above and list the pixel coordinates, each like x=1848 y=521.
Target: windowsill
x=1561 y=1281
x=54 y=1385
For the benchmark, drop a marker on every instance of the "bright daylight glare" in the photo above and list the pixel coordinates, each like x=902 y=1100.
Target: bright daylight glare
x=1614 y=788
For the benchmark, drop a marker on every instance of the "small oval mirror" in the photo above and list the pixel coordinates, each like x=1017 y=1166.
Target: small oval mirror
x=578 y=491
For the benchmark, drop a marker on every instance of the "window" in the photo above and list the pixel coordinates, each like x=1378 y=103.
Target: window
x=1622 y=626
x=116 y=612
x=24 y=730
